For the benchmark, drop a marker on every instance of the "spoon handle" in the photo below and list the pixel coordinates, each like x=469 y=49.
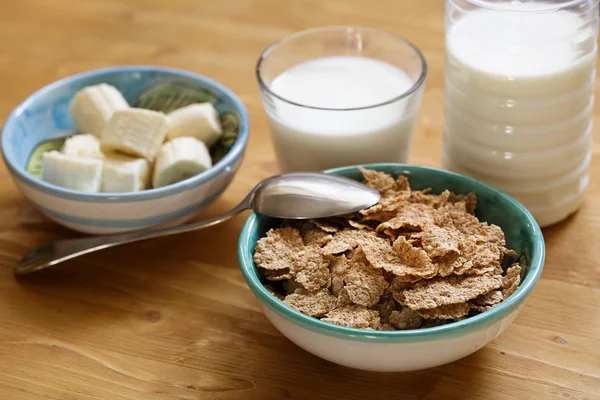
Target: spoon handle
x=54 y=253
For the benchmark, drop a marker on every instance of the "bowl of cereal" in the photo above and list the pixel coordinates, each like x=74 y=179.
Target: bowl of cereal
x=435 y=271
x=125 y=148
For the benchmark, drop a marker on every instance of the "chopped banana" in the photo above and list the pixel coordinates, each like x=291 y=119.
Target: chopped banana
x=179 y=159
x=125 y=174
x=93 y=106
x=85 y=145
x=84 y=174
x=196 y=120
x=135 y=132
x=120 y=144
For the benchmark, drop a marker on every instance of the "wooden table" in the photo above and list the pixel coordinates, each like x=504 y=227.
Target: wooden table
x=172 y=318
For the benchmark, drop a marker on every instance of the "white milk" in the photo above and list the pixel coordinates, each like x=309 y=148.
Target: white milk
x=519 y=97
x=309 y=139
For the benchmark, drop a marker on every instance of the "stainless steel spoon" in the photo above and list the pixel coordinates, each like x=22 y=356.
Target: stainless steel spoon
x=292 y=196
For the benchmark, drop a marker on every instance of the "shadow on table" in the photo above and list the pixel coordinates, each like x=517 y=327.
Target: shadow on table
x=279 y=363
x=181 y=301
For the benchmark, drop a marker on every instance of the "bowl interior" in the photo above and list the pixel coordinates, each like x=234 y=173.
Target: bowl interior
x=522 y=235
x=45 y=114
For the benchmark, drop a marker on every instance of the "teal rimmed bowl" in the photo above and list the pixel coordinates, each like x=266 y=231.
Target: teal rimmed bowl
x=410 y=349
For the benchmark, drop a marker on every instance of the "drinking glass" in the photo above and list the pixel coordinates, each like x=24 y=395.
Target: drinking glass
x=338 y=127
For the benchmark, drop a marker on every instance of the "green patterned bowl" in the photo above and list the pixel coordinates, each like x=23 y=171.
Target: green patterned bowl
x=43 y=121
x=410 y=349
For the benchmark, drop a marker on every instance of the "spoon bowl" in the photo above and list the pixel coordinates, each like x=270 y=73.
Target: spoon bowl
x=311 y=195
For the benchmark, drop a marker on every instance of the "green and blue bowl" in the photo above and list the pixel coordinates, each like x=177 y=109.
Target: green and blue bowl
x=43 y=120
x=410 y=349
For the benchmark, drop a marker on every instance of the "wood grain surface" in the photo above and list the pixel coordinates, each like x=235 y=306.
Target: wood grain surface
x=172 y=318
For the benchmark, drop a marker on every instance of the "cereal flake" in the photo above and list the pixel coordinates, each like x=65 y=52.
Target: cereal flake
x=364 y=284
x=429 y=294
x=345 y=240
x=314 y=304
x=397 y=288
x=277 y=250
x=469 y=200
x=311 y=269
x=359 y=225
x=325 y=225
x=393 y=259
x=278 y=275
x=338 y=267
x=476 y=258
x=402 y=184
x=385 y=210
x=343 y=299
x=448 y=311
x=487 y=301
x=455 y=215
x=438 y=242
x=415 y=258
x=353 y=316
x=377 y=180
x=410 y=216
x=511 y=281
x=405 y=319
x=317 y=237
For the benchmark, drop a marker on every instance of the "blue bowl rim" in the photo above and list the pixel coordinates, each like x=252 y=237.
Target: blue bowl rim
x=234 y=153
x=447 y=331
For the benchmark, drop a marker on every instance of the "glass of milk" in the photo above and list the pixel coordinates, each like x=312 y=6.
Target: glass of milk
x=338 y=96
x=519 y=97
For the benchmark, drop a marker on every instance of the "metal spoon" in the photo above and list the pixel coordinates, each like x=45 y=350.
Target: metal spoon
x=292 y=196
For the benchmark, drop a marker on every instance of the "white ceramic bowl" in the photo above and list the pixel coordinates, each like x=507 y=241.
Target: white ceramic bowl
x=410 y=349
x=45 y=115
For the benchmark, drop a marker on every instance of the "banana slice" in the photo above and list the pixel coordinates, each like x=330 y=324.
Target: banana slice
x=85 y=145
x=125 y=174
x=179 y=159
x=84 y=174
x=196 y=120
x=92 y=107
x=135 y=132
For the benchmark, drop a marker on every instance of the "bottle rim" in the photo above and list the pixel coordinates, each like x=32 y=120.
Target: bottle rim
x=504 y=6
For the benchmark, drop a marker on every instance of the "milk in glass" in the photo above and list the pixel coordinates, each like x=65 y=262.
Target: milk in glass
x=335 y=116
